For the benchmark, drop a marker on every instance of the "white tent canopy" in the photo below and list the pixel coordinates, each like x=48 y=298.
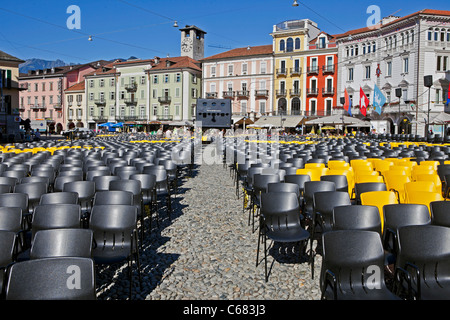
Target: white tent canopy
x=441 y=118
x=339 y=120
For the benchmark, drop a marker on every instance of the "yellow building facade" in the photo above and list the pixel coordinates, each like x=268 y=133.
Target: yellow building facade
x=290 y=39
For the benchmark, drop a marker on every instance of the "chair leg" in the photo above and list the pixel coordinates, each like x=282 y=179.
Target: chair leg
x=265 y=259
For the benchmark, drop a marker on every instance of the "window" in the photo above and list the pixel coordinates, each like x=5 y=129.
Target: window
x=142 y=79
x=112 y=95
x=91 y=83
x=213 y=71
x=243 y=107
x=329 y=106
x=51 y=86
x=374 y=47
x=312 y=107
x=112 y=111
x=155 y=110
x=322 y=42
x=405 y=95
x=36 y=87
x=438 y=96
x=297 y=43
x=389 y=68
x=102 y=83
x=350 y=74
x=122 y=95
x=262 y=106
x=112 y=82
x=263 y=66
x=91 y=96
x=43 y=86
x=178 y=77
x=194 y=93
x=155 y=79
x=290 y=45
x=244 y=68
x=367 y=72
x=282 y=45
x=230 y=70
x=166 y=78
x=406 y=65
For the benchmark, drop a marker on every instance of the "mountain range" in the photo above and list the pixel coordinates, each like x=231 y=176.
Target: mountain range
x=39 y=64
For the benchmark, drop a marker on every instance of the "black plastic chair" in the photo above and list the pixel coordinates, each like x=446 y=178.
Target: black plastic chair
x=352 y=266
x=90 y=174
x=102 y=182
x=59 y=198
x=148 y=188
x=34 y=191
x=440 y=213
x=8 y=244
x=9 y=181
x=356 y=217
x=310 y=188
x=60 y=181
x=423 y=262
x=113 y=197
x=162 y=185
x=66 y=278
x=133 y=186
x=400 y=215
x=86 y=191
x=52 y=243
x=115 y=236
x=340 y=181
x=260 y=184
x=324 y=203
x=367 y=187
x=280 y=222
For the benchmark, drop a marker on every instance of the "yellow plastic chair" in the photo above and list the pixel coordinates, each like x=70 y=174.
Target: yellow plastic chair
x=383 y=165
x=379 y=199
x=432 y=163
x=418 y=186
x=397 y=183
x=369 y=178
x=418 y=170
x=433 y=178
x=337 y=164
x=422 y=197
x=314 y=165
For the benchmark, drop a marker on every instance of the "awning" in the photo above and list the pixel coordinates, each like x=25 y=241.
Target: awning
x=339 y=120
x=185 y=123
x=441 y=118
x=278 y=121
x=241 y=120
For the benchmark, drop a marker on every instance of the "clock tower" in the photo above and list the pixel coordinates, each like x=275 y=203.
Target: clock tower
x=192 y=42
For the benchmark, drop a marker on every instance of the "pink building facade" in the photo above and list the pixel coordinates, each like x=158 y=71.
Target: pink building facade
x=42 y=96
x=244 y=75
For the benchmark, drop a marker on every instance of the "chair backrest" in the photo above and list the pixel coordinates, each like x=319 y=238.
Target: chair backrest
x=361 y=188
x=34 y=190
x=55 y=216
x=113 y=197
x=261 y=181
x=85 y=189
x=379 y=199
x=102 y=182
x=350 y=255
x=113 y=227
x=405 y=214
x=283 y=187
x=340 y=181
x=59 y=198
x=359 y=217
x=148 y=181
x=312 y=187
x=66 y=242
x=423 y=246
x=9 y=181
x=8 y=240
x=50 y=279
x=10 y=219
x=61 y=180
x=280 y=210
x=325 y=201
x=440 y=213
x=298 y=180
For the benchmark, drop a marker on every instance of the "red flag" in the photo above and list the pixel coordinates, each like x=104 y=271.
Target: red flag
x=348 y=103
x=363 y=102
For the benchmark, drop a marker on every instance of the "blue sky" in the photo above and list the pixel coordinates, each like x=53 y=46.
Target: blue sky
x=144 y=28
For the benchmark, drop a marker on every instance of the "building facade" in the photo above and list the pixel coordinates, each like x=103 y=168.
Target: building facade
x=76 y=105
x=244 y=75
x=321 y=76
x=44 y=97
x=290 y=40
x=395 y=55
x=9 y=91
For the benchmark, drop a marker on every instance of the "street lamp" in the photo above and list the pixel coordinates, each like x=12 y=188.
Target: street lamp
x=398 y=94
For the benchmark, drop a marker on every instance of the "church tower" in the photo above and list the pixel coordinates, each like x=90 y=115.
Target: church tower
x=192 y=42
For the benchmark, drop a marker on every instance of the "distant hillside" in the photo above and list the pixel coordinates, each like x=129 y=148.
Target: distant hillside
x=38 y=64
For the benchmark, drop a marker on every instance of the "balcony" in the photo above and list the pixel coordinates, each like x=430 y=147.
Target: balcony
x=165 y=99
x=294 y=92
x=282 y=72
x=164 y=117
x=101 y=118
x=132 y=87
x=130 y=101
x=211 y=95
x=100 y=102
x=130 y=118
x=35 y=107
x=328 y=69
x=296 y=71
x=312 y=91
x=228 y=94
x=57 y=106
x=261 y=93
x=313 y=70
x=281 y=93
x=328 y=91
x=242 y=94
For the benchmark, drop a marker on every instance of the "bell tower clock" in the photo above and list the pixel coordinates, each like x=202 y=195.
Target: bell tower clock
x=192 y=42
